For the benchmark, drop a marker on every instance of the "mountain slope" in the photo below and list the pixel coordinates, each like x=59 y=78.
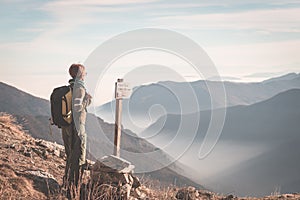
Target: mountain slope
x=32 y=112
x=28 y=168
x=280 y=164
x=252 y=137
x=15 y=101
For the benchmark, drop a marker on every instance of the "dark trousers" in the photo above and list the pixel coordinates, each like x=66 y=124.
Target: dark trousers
x=75 y=147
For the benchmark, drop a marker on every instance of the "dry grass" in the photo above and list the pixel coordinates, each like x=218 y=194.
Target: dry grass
x=12 y=186
x=10 y=122
x=6 y=118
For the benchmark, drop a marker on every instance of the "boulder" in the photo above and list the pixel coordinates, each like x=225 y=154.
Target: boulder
x=117 y=172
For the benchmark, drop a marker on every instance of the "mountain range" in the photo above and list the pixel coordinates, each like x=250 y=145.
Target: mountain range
x=149 y=102
x=257 y=151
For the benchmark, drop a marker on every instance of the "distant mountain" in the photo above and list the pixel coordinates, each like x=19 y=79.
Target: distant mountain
x=147 y=103
x=39 y=127
x=15 y=101
x=286 y=77
x=256 y=154
x=33 y=114
x=223 y=78
x=264 y=75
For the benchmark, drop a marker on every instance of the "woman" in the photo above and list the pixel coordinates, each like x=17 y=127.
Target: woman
x=74 y=136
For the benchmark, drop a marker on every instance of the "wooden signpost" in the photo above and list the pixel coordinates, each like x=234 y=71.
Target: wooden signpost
x=122 y=90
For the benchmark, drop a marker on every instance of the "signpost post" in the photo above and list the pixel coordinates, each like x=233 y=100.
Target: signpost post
x=122 y=90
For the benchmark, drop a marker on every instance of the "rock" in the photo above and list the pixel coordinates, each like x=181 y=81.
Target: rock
x=22 y=149
x=41 y=152
x=28 y=154
x=209 y=195
x=62 y=154
x=39 y=179
x=116 y=172
x=39 y=173
x=56 y=152
x=5 y=159
x=37 y=151
x=116 y=163
x=41 y=143
x=45 y=154
x=229 y=197
x=189 y=193
x=52 y=148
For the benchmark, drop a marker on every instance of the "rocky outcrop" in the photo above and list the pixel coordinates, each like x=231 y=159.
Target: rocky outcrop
x=118 y=173
x=31 y=168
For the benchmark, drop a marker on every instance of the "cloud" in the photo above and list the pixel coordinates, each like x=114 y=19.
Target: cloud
x=270 y=20
x=99 y=3
x=255 y=58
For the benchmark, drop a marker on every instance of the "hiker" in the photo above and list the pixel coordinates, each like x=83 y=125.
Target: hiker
x=74 y=136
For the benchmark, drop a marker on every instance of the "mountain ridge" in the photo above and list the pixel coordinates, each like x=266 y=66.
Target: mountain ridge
x=30 y=104
x=250 y=132
x=174 y=98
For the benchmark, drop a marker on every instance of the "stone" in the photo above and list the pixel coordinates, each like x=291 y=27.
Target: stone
x=39 y=179
x=229 y=197
x=37 y=151
x=41 y=143
x=28 y=154
x=45 y=154
x=56 y=152
x=115 y=171
x=62 y=154
x=189 y=193
x=118 y=164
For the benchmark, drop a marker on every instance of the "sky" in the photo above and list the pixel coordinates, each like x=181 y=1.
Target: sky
x=41 y=39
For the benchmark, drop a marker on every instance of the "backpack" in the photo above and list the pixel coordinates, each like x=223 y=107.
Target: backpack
x=61 y=106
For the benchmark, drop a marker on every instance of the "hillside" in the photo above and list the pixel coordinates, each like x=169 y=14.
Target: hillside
x=258 y=142
x=15 y=101
x=33 y=169
x=26 y=164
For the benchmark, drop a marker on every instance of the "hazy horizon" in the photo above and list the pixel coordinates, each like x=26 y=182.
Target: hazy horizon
x=251 y=78
x=40 y=40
